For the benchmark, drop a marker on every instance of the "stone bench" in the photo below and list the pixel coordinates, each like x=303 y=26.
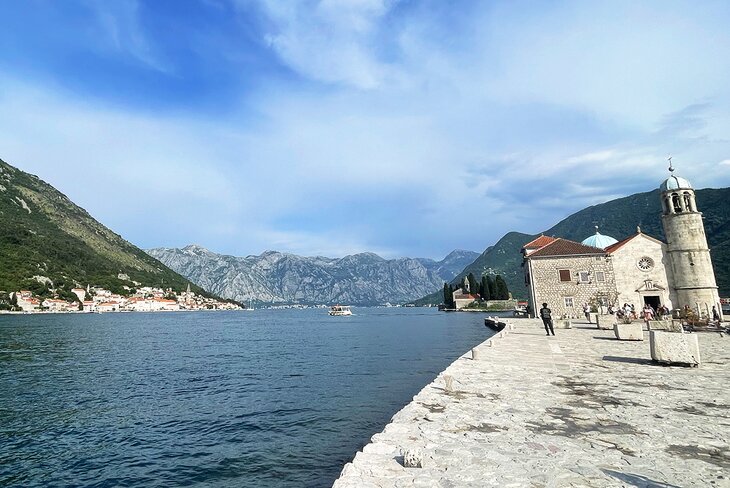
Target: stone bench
x=674 y=348
x=562 y=324
x=606 y=322
x=667 y=325
x=629 y=332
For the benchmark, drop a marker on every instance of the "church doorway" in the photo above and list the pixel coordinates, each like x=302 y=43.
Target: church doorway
x=652 y=300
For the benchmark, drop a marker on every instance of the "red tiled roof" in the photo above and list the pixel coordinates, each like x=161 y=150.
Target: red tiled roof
x=564 y=247
x=539 y=242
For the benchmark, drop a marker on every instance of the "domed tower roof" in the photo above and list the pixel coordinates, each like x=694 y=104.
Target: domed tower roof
x=599 y=240
x=675 y=183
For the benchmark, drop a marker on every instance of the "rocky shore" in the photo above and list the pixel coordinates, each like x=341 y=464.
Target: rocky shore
x=578 y=409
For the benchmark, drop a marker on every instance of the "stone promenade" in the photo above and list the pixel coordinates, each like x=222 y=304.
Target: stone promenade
x=578 y=409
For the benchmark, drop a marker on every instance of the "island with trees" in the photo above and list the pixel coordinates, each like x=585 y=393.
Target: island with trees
x=488 y=293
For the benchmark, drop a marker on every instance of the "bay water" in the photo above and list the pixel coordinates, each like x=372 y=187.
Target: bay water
x=270 y=398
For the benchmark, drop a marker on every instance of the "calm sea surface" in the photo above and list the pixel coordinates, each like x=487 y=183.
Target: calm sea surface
x=264 y=398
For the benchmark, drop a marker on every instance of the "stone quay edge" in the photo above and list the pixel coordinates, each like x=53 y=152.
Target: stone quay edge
x=578 y=409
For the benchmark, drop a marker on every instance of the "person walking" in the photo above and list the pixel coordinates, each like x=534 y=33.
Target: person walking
x=587 y=312
x=648 y=314
x=627 y=310
x=715 y=315
x=547 y=319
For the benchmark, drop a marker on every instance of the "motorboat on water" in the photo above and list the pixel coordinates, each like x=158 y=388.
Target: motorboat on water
x=340 y=310
x=494 y=323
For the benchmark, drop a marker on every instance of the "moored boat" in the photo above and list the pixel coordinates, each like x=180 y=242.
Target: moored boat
x=494 y=323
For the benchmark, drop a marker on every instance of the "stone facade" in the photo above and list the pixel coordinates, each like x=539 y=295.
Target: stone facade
x=689 y=254
x=642 y=270
x=591 y=281
x=638 y=270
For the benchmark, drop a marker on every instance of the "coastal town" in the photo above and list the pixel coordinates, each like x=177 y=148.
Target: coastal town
x=100 y=300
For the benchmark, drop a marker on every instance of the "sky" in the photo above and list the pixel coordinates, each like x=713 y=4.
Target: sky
x=404 y=128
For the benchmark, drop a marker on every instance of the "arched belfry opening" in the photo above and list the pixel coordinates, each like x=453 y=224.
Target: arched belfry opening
x=677 y=203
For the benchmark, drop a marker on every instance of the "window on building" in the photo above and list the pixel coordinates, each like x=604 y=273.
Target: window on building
x=600 y=276
x=676 y=203
x=585 y=277
x=564 y=274
x=568 y=302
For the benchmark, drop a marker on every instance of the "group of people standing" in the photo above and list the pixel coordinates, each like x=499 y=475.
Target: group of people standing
x=647 y=313
x=628 y=311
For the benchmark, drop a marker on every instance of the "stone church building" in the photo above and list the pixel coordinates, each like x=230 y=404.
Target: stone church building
x=602 y=271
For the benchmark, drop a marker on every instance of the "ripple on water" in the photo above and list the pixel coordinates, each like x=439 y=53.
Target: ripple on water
x=272 y=398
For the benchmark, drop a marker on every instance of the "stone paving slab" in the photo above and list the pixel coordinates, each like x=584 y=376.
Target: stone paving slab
x=578 y=409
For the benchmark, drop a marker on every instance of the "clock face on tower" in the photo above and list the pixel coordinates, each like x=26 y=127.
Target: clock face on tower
x=645 y=263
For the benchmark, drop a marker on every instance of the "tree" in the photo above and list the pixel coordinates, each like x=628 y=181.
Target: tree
x=448 y=295
x=14 y=300
x=473 y=287
x=501 y=288
x=484 y=288
x=492 y=288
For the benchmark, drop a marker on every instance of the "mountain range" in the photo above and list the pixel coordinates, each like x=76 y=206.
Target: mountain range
x=49 y=245
x=281 y=278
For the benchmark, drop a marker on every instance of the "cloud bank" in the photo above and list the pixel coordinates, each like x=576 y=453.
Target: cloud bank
x=404 y=128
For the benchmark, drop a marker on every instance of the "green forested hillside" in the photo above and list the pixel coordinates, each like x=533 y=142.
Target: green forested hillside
x=44 y=236
x=619 y=219
x=505 y=259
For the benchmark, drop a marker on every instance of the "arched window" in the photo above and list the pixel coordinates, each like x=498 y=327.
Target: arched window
x=688 y=201
x=676 y=203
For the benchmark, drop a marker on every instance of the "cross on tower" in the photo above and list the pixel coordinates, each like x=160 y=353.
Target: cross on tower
x=671 y=168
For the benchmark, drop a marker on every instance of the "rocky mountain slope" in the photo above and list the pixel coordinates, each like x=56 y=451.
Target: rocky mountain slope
x=50 y=245
x=280 y=278
x=619 y=219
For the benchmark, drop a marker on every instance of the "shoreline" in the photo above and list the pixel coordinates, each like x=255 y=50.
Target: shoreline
x=83 y=312
x=577 y=409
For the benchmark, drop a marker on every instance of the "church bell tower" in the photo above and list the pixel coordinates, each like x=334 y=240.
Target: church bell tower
x=694 y=278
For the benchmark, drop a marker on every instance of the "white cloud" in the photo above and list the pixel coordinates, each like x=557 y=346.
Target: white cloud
x=119 y=30
x=328 y=40
x=427 y=134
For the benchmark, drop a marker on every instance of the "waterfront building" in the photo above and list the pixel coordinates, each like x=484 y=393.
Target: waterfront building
x=567 y=274
x=462 y=298
x=638 y=270
x=80 y=293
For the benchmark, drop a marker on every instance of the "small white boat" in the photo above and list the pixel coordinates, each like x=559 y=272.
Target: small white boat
x=340 y=310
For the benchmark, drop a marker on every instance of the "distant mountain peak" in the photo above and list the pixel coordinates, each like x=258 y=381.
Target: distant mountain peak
x=274 y=277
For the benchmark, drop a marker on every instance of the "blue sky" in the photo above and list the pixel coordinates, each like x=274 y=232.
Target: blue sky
x=406 y=128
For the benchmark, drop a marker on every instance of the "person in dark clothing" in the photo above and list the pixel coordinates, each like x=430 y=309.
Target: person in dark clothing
x=547 y=319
